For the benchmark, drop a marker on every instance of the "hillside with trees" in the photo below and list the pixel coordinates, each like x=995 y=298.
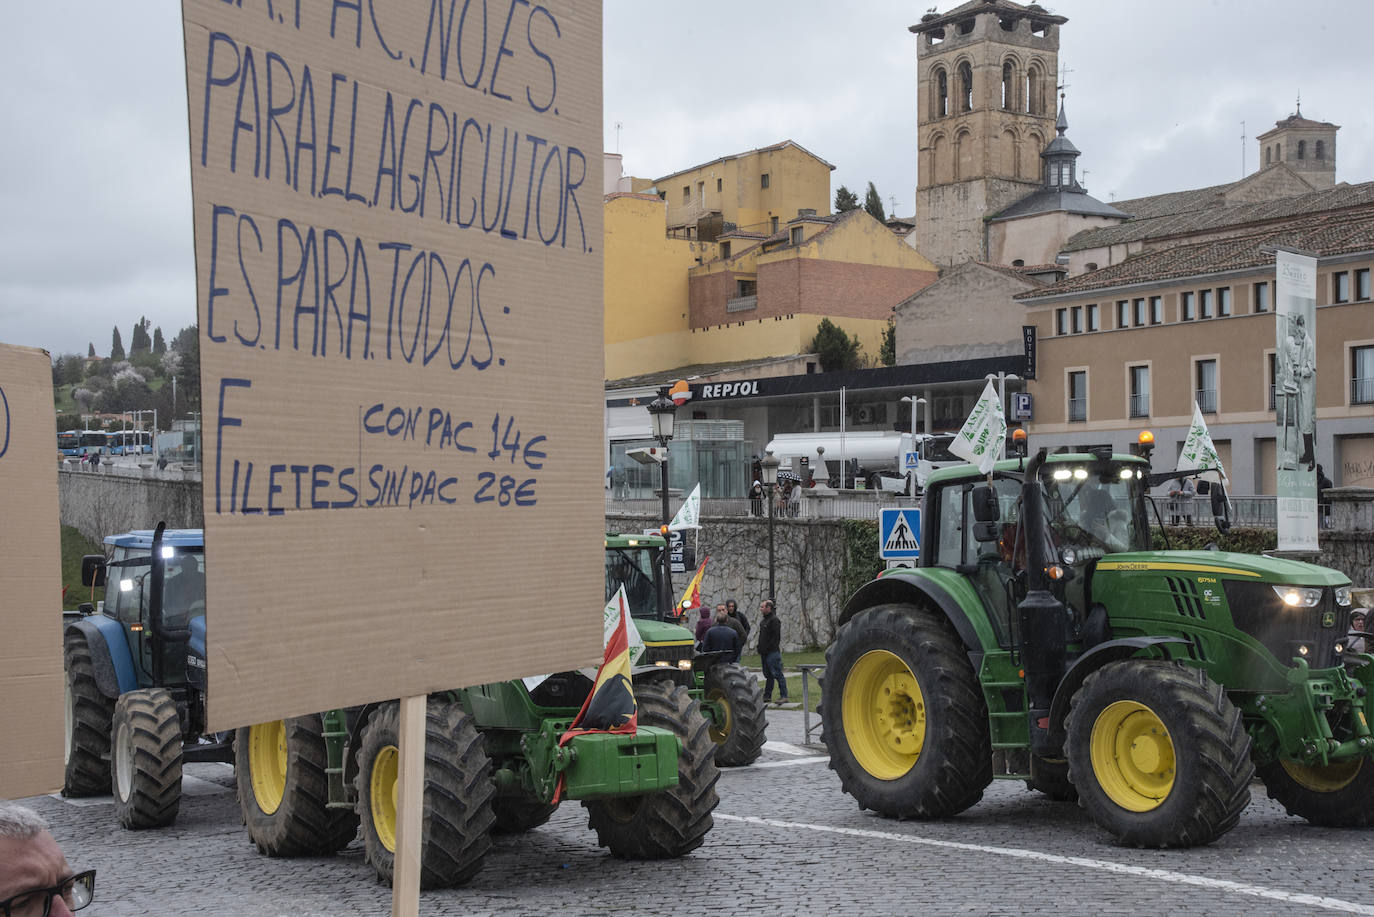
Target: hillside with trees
x=153 y=374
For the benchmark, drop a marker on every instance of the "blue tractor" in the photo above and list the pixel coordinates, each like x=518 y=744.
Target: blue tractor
x=135 y=662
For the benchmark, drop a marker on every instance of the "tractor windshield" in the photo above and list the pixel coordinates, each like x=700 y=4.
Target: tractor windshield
x=635 y=569
x=1097 y=505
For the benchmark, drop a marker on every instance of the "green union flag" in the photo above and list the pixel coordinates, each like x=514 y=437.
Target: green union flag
x=979 y=439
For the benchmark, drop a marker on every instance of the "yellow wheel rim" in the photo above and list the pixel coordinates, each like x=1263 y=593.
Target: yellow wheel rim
x=267 y=764
x=721 y=731
x=1328 y=779
x=1133 y=756
x=884 y=715
x=383 y=795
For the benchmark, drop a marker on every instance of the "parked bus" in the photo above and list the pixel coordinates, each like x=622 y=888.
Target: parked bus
x=69 y=442
x=130 y=442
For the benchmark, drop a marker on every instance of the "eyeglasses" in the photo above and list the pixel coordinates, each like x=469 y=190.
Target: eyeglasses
x=77 y=891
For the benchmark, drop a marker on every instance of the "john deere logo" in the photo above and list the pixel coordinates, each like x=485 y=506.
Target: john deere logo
x=1328 y=619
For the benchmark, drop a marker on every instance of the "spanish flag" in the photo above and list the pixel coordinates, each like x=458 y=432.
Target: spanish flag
x=691 y=597
x=610 y=706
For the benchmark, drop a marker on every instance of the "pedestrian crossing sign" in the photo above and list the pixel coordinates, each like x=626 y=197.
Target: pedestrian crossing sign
x=910 y=461
x=899 y=533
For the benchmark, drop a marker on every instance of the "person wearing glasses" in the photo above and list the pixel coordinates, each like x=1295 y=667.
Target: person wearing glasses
x=35 y=880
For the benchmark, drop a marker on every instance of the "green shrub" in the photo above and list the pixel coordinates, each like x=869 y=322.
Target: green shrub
x=1198 y=537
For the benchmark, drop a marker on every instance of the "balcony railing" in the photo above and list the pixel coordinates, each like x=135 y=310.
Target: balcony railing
x=742 y=304
x=1078 y=410
x=1140 y=404
x=1362 y=391
x=1206 y=400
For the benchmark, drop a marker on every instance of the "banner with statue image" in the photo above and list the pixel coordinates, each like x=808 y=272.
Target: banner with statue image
x=1295 y=408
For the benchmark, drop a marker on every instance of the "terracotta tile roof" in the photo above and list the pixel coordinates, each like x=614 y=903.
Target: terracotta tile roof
x=1020 y=273
x=1324 y=234
x=1188 y=212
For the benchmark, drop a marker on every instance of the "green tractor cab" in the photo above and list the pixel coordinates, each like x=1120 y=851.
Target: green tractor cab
x=1042 y=639
x=730 y=698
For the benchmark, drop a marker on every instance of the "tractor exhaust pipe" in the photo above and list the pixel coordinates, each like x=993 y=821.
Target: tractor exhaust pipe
x=1042 y=617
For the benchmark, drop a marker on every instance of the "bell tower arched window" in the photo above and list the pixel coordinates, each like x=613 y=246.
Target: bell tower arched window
x=965 y=87
x=1321 y=150
x=1034 y=82
x=1008 y=88
x=941 y=93
x=1302 y=149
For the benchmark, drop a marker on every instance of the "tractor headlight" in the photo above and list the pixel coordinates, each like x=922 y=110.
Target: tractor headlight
x=1342 y=595
x=1298 y=596
x=685 y=665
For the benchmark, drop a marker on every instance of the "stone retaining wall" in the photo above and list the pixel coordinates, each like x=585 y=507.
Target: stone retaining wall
x=107 y=503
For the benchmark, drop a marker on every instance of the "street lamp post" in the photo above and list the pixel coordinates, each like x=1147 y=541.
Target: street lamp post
x=662 y=413
x=770 y=465
x=913 y=401
x=1002 y=378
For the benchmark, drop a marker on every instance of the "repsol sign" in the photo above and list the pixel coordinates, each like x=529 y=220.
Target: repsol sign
x=717 y=390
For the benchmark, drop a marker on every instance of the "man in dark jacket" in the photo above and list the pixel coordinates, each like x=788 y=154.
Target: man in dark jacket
x=721 y=637
x=732 y=609
x=770 y=650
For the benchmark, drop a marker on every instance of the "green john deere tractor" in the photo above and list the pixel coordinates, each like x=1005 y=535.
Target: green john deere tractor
x=493 y=764
x=1042 y=631
x=730 y=698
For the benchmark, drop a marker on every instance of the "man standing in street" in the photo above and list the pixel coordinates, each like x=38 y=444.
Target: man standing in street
x=770 y=651
x=721 y=637
x=732 y=609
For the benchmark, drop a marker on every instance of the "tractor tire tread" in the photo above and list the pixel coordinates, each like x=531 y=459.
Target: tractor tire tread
x=303 y=824
x=92 y=717
x=150 y=717
x=748 y=716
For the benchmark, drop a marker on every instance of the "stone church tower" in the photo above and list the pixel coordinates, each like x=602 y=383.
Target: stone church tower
x=1307 y=147
x=986 y=109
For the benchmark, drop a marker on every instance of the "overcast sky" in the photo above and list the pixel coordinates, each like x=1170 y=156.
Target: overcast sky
x=95 y=193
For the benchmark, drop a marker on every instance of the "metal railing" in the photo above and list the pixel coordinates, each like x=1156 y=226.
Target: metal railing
x=1206 y=400
x=1140 y=404
x=1078 y=410
x=1362 y=391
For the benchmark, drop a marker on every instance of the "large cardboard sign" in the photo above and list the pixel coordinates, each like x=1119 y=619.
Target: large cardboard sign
x=31 y=720
x=398 y=232
x=1295 y=403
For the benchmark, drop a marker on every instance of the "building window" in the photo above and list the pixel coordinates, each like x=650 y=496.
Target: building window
x=1078 y=396
x=720 y=183
x=1321 y=150
x=1008 y=94
x=1123 y=313
x=941 y=93
x=1267 y=155
x=1061 y=318
x=1223 y=302
x=1273 y=375
x=1278 y=152
x=725 y=249
x=763 y=181
x=1362 y=284
x=1065 y=174
x=772 y=224
x=1054 y=174
x=1076 y=319
x=1262 y=296
x=1185 y=307
x=1156 y=310
x=1207 y=386
x=1204 y=304
x=1340 y=286
x=1362 y=375
x=686 y=194
x=701 y=193
x=1138 y=310
x=1092 y=317
x=1302 y=149
x=965 y=87
x=746 y=287
x=796 y=235
x=1140 y=391
x=1034 y=102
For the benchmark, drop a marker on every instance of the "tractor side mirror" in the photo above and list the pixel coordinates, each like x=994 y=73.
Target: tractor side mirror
x=93 y=570
x=985 y=506
x=1221 y=509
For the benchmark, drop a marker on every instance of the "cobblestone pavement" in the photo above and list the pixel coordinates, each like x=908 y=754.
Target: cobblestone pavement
x=786 y=841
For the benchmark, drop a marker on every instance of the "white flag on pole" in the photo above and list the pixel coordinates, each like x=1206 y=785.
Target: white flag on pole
x=1199 y=453
x=980 y=440
x=689 y=514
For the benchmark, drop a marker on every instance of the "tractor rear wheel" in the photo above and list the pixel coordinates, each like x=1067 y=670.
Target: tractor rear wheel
x=146 y=759
x=742 y=725
x=903 y=716
x=90 y=716
x=1158 y=754
x=671 y=822
x=1339 y=795
x=516 y=815
x=284 y=791
x=455 y=834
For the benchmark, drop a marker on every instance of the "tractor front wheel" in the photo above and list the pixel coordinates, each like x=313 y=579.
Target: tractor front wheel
x=284 y=791
x=146 y=753
x=90 y=716
x=455 y=833
x=671 y=822
x=1339 y=795
x=1158 y=754
x=740 y=727
x=904 y=719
